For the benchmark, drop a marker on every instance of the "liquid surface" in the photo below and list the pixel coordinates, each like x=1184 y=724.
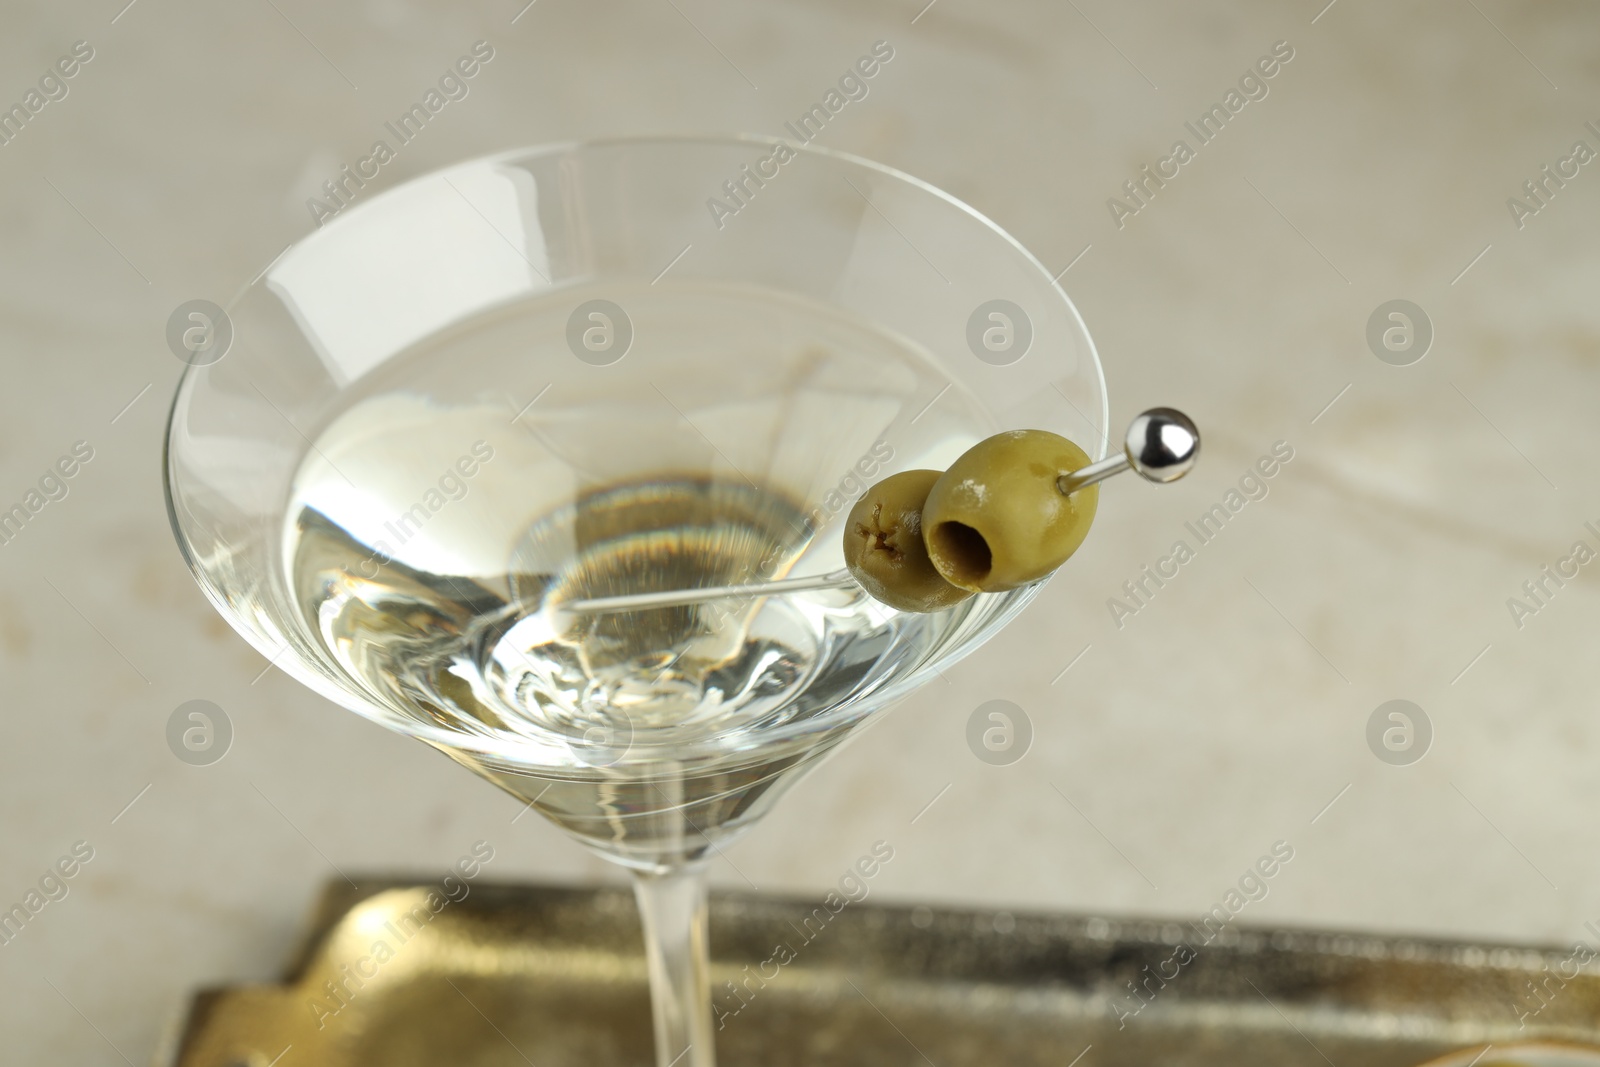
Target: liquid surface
x=433 y=539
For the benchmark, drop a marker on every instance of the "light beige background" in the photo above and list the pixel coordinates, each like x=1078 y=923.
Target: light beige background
x=1219 y=720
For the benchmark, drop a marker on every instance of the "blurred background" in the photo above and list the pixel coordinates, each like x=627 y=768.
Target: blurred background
x=1432 y=473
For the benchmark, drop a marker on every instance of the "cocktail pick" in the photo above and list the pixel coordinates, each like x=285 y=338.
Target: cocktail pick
x=1161 y=445
x=671 y=598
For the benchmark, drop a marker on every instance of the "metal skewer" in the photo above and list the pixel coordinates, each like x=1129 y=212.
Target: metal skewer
x=671 y=598
x=1161 y=445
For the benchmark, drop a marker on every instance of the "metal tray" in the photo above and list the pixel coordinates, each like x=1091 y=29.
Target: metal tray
x=516 y=974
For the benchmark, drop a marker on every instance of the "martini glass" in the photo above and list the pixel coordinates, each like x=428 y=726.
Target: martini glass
x=466 y=415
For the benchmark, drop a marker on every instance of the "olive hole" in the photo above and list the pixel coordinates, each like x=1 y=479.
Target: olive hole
x=965 y=550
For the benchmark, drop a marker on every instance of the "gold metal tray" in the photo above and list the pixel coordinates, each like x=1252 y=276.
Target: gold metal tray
x=515 y=975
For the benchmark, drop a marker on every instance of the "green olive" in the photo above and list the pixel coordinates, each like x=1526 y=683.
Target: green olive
x=884 y=549
x=995 y=520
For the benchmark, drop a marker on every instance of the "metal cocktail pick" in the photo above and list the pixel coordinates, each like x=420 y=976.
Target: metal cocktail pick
x=1161 y=446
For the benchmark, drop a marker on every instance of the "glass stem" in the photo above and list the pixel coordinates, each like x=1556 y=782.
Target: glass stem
x=673 y=907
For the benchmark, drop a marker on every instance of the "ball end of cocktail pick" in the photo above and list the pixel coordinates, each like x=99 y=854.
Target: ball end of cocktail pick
x=1162 y=444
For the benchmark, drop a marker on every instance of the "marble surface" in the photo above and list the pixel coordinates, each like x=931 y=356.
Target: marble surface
x=1227 y=714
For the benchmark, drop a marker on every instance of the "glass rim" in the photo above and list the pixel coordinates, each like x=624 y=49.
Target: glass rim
x=555 y=148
